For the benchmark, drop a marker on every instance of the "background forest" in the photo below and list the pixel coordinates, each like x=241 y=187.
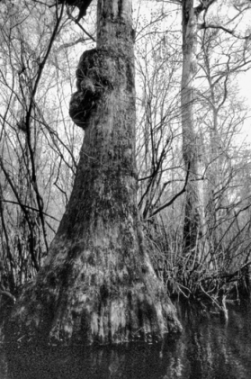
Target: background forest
x=193 y=152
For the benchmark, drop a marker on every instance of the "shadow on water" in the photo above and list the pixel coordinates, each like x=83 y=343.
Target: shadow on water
x=209 y=348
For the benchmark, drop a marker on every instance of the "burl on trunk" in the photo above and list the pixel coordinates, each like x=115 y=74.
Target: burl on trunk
x=98 y=284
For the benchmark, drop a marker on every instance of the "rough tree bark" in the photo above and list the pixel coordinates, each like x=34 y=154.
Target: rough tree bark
x=98 y=284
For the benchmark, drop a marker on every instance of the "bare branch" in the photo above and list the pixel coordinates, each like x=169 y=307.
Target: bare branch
x=226 y=30
x=175 y=197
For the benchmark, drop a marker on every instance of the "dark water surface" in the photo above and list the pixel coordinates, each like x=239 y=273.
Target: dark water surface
x=209 y=348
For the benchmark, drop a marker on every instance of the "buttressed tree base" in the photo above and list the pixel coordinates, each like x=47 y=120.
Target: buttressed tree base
x=98 y=283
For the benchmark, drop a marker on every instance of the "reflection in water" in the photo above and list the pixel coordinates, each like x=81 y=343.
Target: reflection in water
x=208 y=349
x=3 y=365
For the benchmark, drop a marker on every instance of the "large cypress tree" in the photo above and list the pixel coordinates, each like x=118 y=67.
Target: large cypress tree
x=98 y=283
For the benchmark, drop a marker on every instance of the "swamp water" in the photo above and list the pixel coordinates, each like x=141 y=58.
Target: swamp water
x=209 y=348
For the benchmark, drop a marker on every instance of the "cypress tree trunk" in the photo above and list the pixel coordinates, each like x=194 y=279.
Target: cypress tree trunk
x=98 y=283
x=194 y=220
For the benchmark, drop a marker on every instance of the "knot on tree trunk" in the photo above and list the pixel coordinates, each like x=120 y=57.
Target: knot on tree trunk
x=95 y=78
x=82 y=5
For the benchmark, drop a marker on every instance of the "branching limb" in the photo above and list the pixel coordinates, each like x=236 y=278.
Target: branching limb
x=175 y=197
